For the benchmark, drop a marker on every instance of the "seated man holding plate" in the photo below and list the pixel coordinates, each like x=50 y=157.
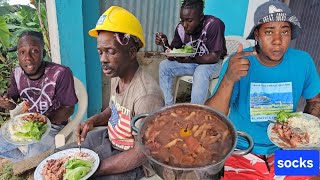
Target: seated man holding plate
x=205 y=34
x=46 y=88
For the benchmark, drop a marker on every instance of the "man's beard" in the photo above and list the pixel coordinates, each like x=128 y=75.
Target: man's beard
x=37 y=71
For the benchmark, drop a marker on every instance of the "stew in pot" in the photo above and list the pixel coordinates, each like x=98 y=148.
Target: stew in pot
x=185 y=138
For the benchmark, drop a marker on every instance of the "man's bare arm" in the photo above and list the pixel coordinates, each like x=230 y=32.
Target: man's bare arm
x=313 y=106
x=211 y=58
x=102 y=118
x=221 y=99
x=60 y=115
x=238 y=67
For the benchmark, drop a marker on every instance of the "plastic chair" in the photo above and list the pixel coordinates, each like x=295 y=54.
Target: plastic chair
x=66 y=133
x=66 y=136
x=232 y=43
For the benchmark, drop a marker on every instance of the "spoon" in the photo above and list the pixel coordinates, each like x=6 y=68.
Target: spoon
x=158 y=34
x=294 y=129
x=12 y=101
x=272 y=121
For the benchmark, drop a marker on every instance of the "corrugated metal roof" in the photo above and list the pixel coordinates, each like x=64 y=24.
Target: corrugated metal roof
x=155 y=16
x=309 y=39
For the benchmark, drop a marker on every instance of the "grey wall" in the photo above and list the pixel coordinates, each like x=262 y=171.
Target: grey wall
x=154 y=15
x=308 y=12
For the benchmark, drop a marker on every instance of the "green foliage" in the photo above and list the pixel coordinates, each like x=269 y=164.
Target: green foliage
x=184 y=49
x=22 y=18
x=7 y=173
x=4 y=33
x=4 y=2
x=4 y=75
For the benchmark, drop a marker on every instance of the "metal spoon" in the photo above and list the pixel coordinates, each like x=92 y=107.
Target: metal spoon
x=296 y=129
x=272 y=121
x=163 y=41
x=12 y=101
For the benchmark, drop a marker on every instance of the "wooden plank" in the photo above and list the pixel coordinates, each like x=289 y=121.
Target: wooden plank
x=30 y=163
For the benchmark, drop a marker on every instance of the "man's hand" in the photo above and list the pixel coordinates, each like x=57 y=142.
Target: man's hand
x=7 y=103
x=100 y=119
x=238 y=65
x=83 y=130
x=161 y=39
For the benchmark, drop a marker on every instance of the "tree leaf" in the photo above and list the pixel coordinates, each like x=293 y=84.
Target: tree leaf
x=31 y=24
x=4 y=33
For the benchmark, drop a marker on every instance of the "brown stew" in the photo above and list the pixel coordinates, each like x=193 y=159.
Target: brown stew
x=187 y=138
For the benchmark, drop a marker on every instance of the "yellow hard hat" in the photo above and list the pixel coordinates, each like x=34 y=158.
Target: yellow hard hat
x=118 y=19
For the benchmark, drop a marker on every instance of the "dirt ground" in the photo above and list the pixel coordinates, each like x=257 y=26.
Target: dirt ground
x=6 y=172
x=184 y=95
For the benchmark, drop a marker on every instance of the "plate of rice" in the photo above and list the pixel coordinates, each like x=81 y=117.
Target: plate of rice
x=302 y=132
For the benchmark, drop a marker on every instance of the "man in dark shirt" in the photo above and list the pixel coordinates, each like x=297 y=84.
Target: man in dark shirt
x=45 y=87
x=205 y=34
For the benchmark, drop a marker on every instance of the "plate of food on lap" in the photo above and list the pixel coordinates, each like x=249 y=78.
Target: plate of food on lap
x=295 y=131
x=185 y=51
x=26 y=128
x=69 y=164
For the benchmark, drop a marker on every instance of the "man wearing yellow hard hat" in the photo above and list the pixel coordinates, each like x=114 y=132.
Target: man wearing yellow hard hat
x=119 y=37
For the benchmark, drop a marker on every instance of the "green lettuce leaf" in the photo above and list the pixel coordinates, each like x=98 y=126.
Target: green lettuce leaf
x=76 y=169
x=188 y=49
x=76 y=174
x=283 y=116
x=184 y=49
x=31 y=130
x=74 y=163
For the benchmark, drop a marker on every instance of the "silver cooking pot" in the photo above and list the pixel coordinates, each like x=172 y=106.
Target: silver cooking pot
x=166 y=171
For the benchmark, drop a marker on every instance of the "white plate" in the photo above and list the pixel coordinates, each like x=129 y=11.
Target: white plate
x=178 y=54
x=67 y=152
x=8 y=137
x=274 y=138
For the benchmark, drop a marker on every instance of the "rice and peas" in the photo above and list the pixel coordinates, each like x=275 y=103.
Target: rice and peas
x=311 y=126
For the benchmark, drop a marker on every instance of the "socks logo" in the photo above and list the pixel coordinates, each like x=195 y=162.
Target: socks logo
x=296 y=162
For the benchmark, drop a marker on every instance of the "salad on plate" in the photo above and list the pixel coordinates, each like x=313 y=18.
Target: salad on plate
x=185 y=51
x=26 y=128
